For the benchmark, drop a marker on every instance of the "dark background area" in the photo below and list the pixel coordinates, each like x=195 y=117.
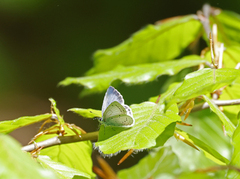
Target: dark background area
x=42 y=42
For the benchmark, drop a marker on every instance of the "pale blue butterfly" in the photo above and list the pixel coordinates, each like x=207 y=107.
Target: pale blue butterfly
x=114 y=111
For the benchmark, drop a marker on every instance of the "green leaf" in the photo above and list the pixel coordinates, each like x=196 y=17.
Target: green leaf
x=201 y=175
x=165 y=135
x=159 y=163
x=11 y=125
x=231 y=56
x=87 y=113
x=62 y=171
x=155 y=43
x=204 y=81
x=56 y=110
x=16 y=164
x=190 y=159
x=150 y=122
x=75 y=155
x=229 y=126
x=235 y=157
x=132 y=75
x=168 y=94
x=232 y=92
x=228 y=27
x=208 y=128
x=208 y=150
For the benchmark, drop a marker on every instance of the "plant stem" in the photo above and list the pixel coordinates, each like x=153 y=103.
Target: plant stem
x=205 y=105
x=58 y=140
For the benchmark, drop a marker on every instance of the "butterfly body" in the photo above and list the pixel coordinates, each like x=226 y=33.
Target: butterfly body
x=114 y=111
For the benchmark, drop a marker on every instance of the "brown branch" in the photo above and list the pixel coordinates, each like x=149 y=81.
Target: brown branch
x=58 y=140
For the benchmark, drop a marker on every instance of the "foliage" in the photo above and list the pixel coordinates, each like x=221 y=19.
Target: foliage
x=203 y=151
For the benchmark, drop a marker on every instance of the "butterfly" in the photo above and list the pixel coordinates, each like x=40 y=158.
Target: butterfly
x=114 y=111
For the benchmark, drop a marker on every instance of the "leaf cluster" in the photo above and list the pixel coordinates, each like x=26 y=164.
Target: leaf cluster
x=199 y=147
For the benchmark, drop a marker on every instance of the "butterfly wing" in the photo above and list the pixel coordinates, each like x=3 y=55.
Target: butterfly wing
x=118 y=115
x=121 y=120
x=111 y=95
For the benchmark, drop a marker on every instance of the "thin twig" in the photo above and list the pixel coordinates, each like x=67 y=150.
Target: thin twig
x=204 y=17
x=205 y=105
x=61 y=140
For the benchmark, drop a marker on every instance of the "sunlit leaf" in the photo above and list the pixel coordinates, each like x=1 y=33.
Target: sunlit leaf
x=150 y=122
x=159 y=163
x=206 y=175
x=229 y=126
x=208 y=128
x=132 y=75
x=168 y=94
x=208 y=150
x=56 y=110
x=235 y=157
x=161 y=42
x=164 y=163
x=16 y=164
x=232 y=92
x=87 y=113
x=165 y=135
x=11 y=125
x=204 y=81
x=231 y=56
x=62 y=171
x=190 y=159
x=228 y=27
x=75 y=155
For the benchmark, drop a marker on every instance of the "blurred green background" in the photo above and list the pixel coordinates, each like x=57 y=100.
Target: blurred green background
x=43 y=41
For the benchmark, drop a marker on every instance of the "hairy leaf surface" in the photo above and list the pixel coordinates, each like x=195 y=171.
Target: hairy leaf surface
x=150 y=122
